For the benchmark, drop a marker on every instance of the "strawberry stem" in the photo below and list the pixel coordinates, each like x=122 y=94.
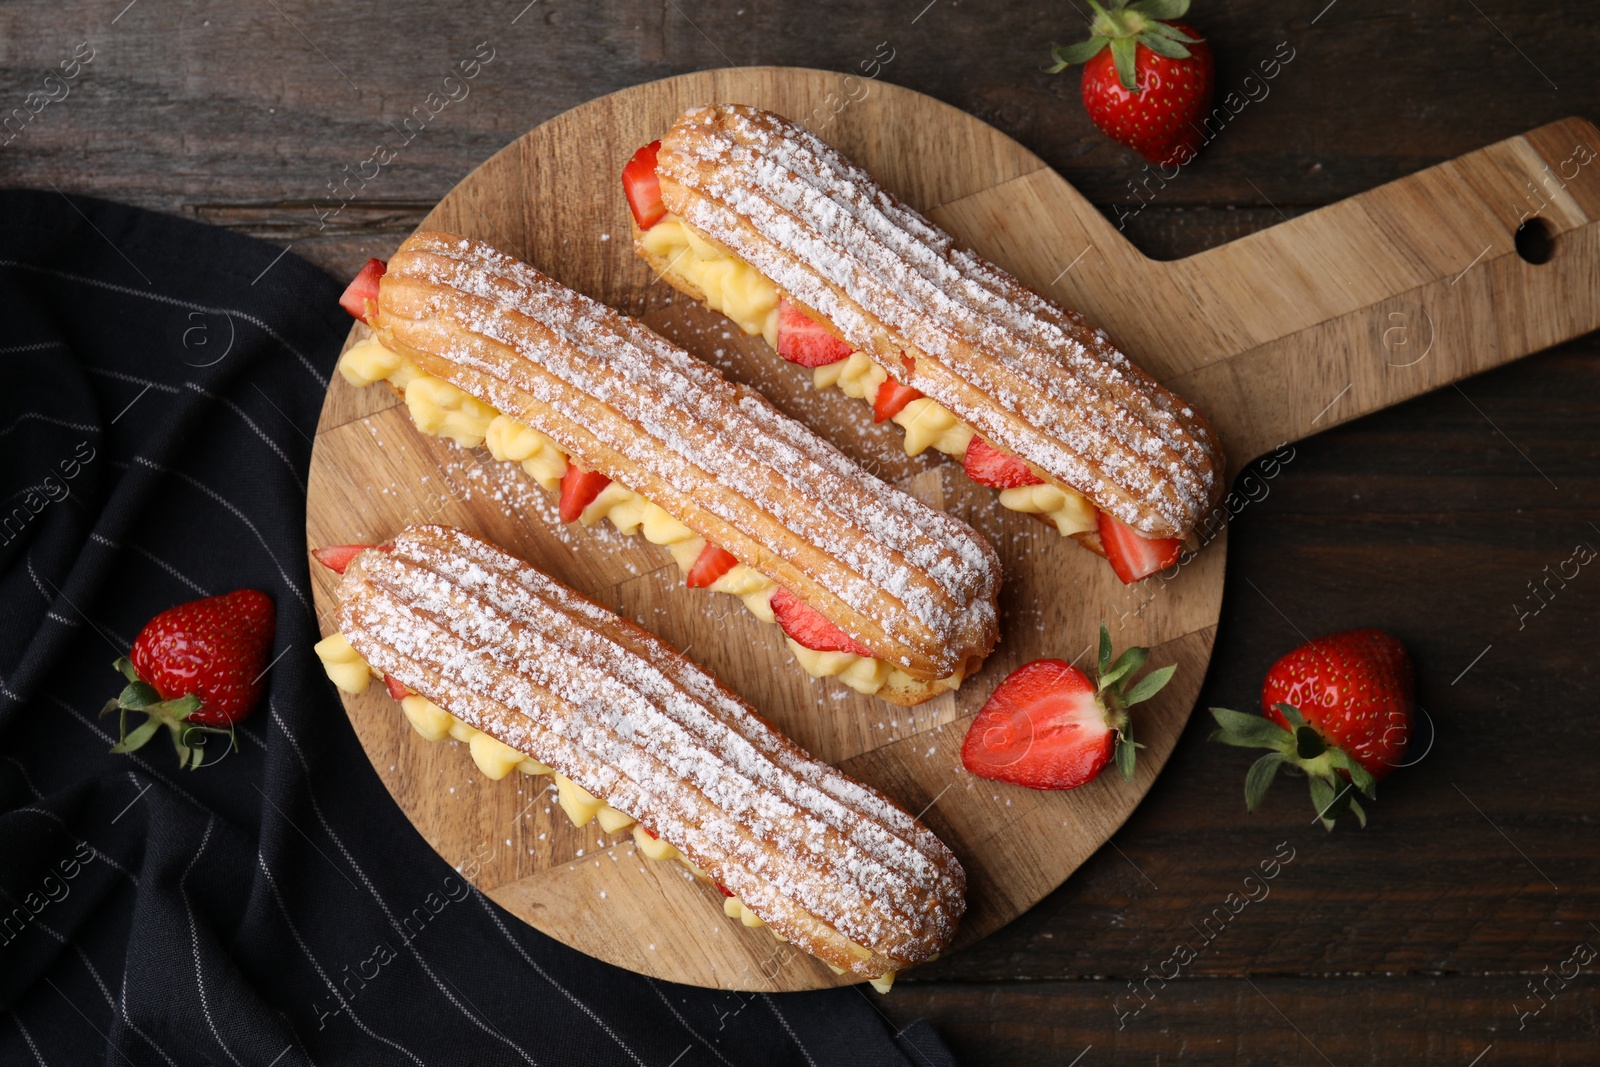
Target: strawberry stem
x=1333 y=776
x=139 y=695
x=1117 y=691
x=1124 y=26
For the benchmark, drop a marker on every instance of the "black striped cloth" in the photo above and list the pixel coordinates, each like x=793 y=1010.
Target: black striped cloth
x=161 y=383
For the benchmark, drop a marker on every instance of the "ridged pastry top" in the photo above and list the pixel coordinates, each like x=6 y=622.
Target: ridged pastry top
x=1026 y=374
x=912 y=584
x=518 y=655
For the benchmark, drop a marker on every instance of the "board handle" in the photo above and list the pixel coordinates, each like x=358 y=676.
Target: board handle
x=1393 y=293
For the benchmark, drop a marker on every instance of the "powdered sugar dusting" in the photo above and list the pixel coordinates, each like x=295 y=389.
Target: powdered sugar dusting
x=521 y=657
x=911 y=583
x=1023 y=372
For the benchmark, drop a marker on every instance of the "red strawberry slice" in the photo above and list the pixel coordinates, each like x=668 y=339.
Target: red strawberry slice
x=643 y=188
x=337 y=557
x=891 y=399
x=724 y=890
x=396 y=687
x=806 y=625
x=1134 y=556
x=578 y=490
x=804 y=340
x=987 y=465
x=712 y=563
x=1050 y=726
x=1043 y=728
x=360 y=297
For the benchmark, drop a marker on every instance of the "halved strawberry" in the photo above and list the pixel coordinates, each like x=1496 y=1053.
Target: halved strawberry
x=337 y=557
x=806 y=625
x=578 y=490
x=643 y=188
x=987 y=465
x=1134 y=556
x=1050 y=726
x=363 y=290
x=396 y=687
x=712 y=563
x=891 y=399
x=804 y=340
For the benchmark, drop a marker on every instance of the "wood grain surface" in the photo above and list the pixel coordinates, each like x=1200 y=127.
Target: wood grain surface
x=1412 y=942
x=1260 y=331
x=372 y=473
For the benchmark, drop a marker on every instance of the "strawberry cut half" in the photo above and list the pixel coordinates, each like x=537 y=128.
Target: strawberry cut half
x=1134 y=556
x=643 y=188
x=987 y=465
x=396 y=687
x=805 y=341
x=891 y=399
x=578 y=490
x=1050 y=726
x=807 y=627
x=337 y=557
x=360 y=297
x=712 y=563
x=1044 y=728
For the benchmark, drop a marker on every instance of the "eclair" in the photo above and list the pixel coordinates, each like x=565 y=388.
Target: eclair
x=870 y=585
x=477 y=644
x=760 y=219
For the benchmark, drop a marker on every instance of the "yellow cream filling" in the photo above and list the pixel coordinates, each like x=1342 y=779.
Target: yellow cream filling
x=927 y=423
x=437 y=407
x=730 y=285
x=497 y=759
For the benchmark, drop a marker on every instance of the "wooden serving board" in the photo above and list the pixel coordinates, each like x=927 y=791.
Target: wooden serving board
x=1275 y=337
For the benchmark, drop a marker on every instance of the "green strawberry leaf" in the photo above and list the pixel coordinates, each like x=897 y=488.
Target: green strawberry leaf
x=1322 y=794
x=142 y=733
x=1244 y=730
x=1361 y=816
x=125 y=665
x=1164 y=46
x=1161 y=9
x=1292 y=713
x=1075 y=54
x=1359 y=775
x=1105 y=650
x=1149 y=685
x=137 y=695
x=1130 y=660
x=1126 y=755
x=1260 y=776
x=1171 y=32
x=1122 y=51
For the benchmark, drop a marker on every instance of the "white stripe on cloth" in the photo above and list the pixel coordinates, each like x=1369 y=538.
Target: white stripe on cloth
x=277 y=897
x=162 y=298
x=287 y=462
x=194 y=939
x=241 y=516
x=383 y=905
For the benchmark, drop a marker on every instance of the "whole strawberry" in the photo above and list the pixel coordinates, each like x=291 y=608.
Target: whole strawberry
x=195 y=667
x=1147 y=81
x=1338 y=709
x=1051 y=726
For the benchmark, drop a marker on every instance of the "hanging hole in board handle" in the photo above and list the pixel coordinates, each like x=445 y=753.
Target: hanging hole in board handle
x=1535 y=241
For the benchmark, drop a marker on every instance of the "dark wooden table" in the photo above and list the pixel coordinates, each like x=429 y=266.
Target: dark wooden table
x=1423 y=939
